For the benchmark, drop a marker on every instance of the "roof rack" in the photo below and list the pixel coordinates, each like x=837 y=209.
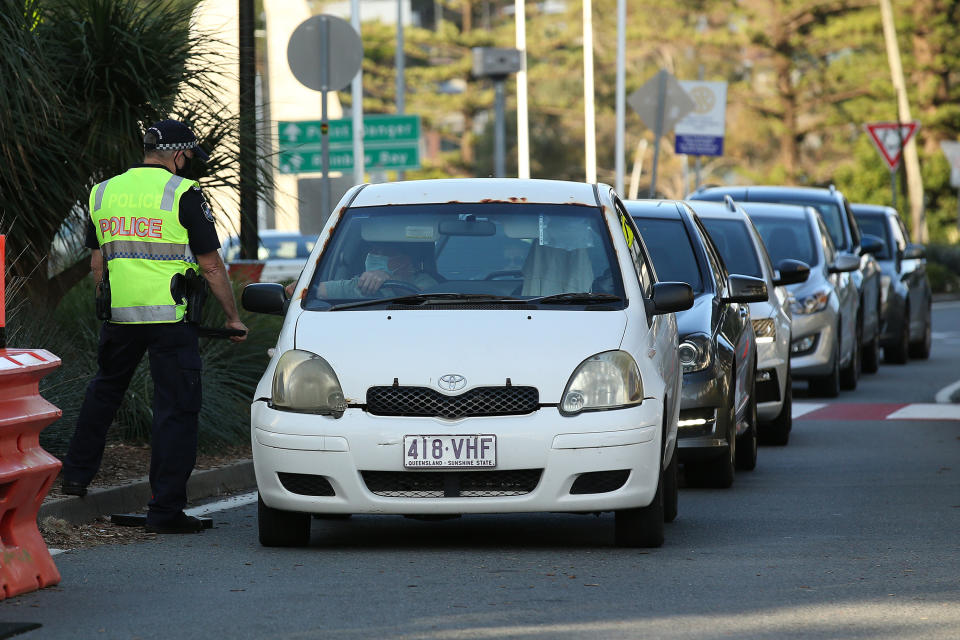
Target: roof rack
x=731 y=205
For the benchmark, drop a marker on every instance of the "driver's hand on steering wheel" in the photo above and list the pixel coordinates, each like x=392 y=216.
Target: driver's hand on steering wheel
x=369 y=282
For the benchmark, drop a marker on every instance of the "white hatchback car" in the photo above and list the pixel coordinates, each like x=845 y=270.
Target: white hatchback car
x=744 y=253
x=471 y=346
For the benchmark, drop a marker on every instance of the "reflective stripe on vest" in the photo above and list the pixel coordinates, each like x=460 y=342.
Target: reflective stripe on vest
x=153 y=313
x=147 y=251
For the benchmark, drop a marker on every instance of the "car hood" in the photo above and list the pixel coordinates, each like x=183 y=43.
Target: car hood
x=697 y=318
x=487 y=347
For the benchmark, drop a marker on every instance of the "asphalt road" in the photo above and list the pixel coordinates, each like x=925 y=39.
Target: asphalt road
x=851 y=531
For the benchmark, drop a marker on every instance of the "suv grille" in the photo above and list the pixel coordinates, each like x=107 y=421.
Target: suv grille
x=454 y=484
x=422 y=401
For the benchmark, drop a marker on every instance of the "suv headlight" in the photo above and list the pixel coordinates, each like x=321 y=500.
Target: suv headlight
x=816 y=301
x=695 y=352
x=306 y=383
x=608 y=380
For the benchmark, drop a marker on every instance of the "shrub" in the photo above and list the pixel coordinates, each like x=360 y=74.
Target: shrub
x=943 y=268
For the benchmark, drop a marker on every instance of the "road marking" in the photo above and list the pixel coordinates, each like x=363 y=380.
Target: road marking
x=803 y=408
x=54 y=552
x=944 y=395
x=222 y=505
x=875 y=411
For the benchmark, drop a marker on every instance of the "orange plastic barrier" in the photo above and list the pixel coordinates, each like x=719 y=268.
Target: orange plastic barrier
x=26 y=470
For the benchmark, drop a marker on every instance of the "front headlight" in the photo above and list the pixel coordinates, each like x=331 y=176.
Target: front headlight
x=608 y=380
x=765 y=330
x=695 y=352
x=306 y=383
x=816 y=301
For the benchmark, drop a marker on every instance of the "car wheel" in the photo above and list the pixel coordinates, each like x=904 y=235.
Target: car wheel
x=778 y=431
x=671 y=488
x=828 y=386
x=897 y=352
x=921 y=349
x=747 y=443
x=282 y=528
x=850 y=374
x=642 y=526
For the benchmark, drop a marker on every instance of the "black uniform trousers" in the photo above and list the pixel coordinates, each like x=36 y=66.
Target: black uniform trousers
x=175 y=365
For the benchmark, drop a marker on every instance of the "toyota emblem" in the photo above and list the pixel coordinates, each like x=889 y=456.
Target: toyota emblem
x=452 y=382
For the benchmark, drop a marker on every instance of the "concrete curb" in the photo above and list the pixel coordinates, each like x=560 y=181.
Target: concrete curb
x=133 y=497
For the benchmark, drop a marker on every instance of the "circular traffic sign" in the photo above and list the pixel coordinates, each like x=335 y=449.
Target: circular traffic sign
x=325 y=40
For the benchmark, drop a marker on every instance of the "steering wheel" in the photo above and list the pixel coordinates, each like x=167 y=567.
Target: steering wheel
x=503 y=274
x=400 y=284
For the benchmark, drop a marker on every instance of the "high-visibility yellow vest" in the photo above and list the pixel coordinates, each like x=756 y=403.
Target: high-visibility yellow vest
x=144 y=246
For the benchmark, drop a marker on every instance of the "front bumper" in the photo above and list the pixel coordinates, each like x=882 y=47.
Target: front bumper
x=770 y=386
x=818 y=360
x=704 y=415
x=563 y=448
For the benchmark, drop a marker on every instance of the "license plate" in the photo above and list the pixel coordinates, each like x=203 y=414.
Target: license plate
x=449 y=451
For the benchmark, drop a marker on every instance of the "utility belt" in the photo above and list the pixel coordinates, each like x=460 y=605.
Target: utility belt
x=189 y=287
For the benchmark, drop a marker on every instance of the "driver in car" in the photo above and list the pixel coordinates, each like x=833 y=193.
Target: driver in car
x=381 y=265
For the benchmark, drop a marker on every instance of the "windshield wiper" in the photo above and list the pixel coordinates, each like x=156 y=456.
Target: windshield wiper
x=426 y=298
x=583 y=297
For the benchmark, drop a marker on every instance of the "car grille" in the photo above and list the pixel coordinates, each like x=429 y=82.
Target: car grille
x=599 y=481
x=482 y=401
x=454 y=484
x=306 y=484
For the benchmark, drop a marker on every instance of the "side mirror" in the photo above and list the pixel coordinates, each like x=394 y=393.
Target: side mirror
x=265 y=297
x=746 y=289
x=791 y=272
x=914 y=252
x=870 y=244
x=670 y=297
x=845 y=262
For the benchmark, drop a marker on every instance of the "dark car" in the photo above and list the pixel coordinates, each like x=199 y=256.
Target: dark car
x=905 y=291
x=718 y=352
x=836 y=213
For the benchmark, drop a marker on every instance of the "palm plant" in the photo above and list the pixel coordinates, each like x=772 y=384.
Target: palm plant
x=82 y=78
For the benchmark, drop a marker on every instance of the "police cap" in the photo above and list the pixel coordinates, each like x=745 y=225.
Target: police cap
x=172 y=135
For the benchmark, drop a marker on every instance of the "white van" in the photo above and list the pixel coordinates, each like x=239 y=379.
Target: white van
x=471 y=346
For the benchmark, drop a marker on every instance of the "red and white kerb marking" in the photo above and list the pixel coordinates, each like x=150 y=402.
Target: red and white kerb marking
x=879 y=411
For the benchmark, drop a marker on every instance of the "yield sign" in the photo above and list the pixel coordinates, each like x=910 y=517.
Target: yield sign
x=890 y=137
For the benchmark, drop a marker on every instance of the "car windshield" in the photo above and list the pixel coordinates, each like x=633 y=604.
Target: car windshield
x=673 y=257
x=876 y=226
x=732 y=239
x=831 y=217
x=479 y=252
x=786 y=238
x=278 y=247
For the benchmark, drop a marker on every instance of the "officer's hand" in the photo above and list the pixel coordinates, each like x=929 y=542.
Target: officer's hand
x=370 y=281
x=237 y=325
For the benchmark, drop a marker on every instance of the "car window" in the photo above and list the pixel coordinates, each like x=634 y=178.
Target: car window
x=732 y=240
x=786 y=238
x=672 y=251
x=714 y=260
x=903 y=229
x=831 y=216
x=877 y=226
x=503 y=249
x=851 y=223
x=641 y=262
x=829 y=249
x=293 y=246
x=898 y=238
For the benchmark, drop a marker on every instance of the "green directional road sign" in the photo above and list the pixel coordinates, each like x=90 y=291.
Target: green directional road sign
x=389 y=142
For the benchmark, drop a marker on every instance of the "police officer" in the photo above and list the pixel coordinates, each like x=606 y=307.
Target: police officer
x=149 y=228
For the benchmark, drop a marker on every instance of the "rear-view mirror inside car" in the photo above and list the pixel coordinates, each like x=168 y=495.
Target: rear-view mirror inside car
x=791 y=272
x=870 y=244
x=746 y=289
x=670 y=297
x=265 y=297
x=467 y=228
x=845 y=262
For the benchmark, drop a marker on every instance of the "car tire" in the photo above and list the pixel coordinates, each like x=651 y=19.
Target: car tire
x=282 y=528
x=921 y=349
x=828 y=386
x=850 y=374
x=778 y=431
x=671 y=488
x=746 y=459
x=897 y=352
x=642 y=526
